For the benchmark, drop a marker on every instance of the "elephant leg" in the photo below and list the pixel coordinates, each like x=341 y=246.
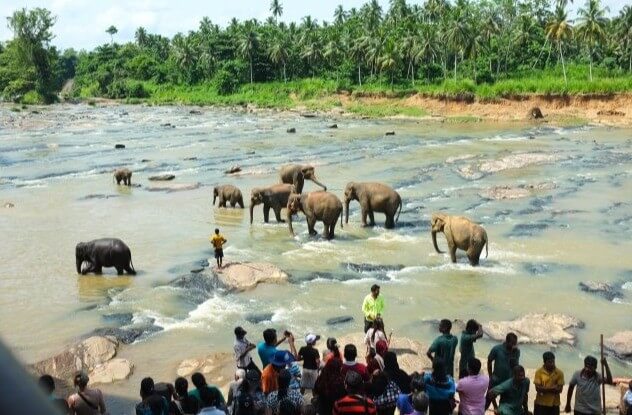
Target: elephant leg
x=332 y=227
x=266 y=213
x=364 y=214
x=390 y=222
x=119 y=270
x=473 y=255
x=233 y=203
x=129 y=270
x=97 y=269
x=371 y=218
x=453 y=253
x=310 y=227
x=240 y=202
x=118 y=181
x=277 y=214
x=222 y=202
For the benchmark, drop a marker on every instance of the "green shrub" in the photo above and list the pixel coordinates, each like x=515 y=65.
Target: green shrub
x=125 y=88
x=32 y=98
x=225 y=82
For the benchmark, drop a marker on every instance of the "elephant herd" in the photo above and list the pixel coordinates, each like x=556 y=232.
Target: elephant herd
x=319 y=206
x=322 y=206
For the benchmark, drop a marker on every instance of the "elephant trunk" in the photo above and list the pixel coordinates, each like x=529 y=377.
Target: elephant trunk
x=347 y=201
x=252 y=207
x=434 y=242
x=289 y=221
x=319 y=183
x=214 y=197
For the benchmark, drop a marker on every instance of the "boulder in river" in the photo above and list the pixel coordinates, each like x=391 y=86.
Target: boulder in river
x=173 y=187
x=389 y=133
x=535 y=113
x=232 y=170
x=238 y=276
x=334 y=321
x=291 y=130
x=111 y=371
x=600 y=288
x=198 y=286
x=333 y=126
x=9 y=205
x=195 y=112
x=85 y=355
x=218 y=368
x=476 y=170
x=547 y=328
x=119 y=146
x=162 y=177
x=620 y=344
x=256 y=318
x=411 y=354
x=504 y=192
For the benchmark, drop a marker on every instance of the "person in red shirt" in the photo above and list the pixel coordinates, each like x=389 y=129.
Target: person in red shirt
x=354 y=403
x=350 y=354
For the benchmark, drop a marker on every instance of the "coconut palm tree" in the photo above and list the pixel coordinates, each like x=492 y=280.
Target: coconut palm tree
x=591 y=28
x=140 y=36
x=623 y=34
x=247 y=44
x=458 y=34
x=278 y=53
x=276 y=8
x=112 y=30
x=339 y=15
x=558 y=30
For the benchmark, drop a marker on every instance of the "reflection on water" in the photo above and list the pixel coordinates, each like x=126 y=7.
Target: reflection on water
x=573 y=225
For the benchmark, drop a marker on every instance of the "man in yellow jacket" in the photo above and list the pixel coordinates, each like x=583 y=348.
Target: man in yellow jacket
x=372 y=306
x=218 y=242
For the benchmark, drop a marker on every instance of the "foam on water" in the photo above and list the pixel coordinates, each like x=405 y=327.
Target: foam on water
x=627 y=286
x=389 y=238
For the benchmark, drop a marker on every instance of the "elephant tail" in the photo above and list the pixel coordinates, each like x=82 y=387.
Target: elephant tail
x=399 y=210
x=131 y=265
x=486 y=246
x=342 y=218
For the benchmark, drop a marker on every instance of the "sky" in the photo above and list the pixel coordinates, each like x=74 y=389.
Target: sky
x=81 y=24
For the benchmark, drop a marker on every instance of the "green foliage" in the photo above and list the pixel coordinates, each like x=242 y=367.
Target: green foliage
x=126 y=88
x=32 y=98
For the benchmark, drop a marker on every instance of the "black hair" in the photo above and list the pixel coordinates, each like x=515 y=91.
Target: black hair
x=590 y=361
x=439 y=370
x=417 y=382
x=446 y=324
x=375 y=287
x=473 y=366
x=420 y=401
x=182 y=386
x=198 y=380
x=548 y=356
x=47 y=384
x=209 y=397
x=332 y=344
x=471 y=326
x=216 y=230
x=510 y=336
x=350 y=352
x=518 y=369
x=285 y=377
x=270 y=336
x=146 y=387
x=286 y=407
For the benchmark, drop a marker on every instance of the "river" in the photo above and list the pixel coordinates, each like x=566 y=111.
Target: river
x=575 y=228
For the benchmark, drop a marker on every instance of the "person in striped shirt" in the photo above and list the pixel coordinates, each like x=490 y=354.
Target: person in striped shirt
x=355 y=402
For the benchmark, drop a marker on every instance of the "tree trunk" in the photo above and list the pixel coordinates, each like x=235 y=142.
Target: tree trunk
x=251 y=79
x=559 y=45
x=284 y=74
x=455 y=58
x=359 y=76
x=590 y=68
x=413 y=73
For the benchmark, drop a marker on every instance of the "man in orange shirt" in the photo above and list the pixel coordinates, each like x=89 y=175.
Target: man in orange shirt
x=270 y=374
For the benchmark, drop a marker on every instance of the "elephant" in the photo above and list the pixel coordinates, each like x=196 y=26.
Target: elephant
x=105 y=252
x=374 y=197
x=319 y=205
x=296 y=174
x=462 y=233
x=275 y=197
x=228 y=193
x=124 y=175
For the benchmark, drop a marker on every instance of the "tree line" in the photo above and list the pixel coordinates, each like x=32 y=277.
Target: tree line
x=405 y=44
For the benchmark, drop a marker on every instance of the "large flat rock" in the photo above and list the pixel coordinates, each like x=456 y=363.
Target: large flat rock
x=536 y=328
x=620 y=344
x=218 y=368
x=111 y=371
x=172 y=187
x=243 y=276
x=478 y=169
x=411 y=354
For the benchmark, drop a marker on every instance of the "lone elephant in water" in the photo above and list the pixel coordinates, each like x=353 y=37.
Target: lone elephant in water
x=228 y=193
x=373 y=197
x=123 y=175
x=105 y=252
x=296 y=174
x=317 y=206
x=461 y=233
x=273 y=197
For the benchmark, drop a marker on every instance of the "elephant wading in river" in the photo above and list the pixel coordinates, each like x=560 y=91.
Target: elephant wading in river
x=461 y=233
x=317 y=206
x=374 y=197
x=106 y=252
x=228 y=193
x=296 y=174
x=275 y=197
x=123 y=175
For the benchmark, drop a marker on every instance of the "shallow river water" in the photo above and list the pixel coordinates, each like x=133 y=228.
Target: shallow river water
x=576 y=228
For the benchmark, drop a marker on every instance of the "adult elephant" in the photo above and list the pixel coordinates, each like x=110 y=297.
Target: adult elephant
x=228 y=193
x=374 y=197
x=273 y=197
x=461 y=233
x=317 y=206
x=123 y=175
x=105 y=252
x=296 y=174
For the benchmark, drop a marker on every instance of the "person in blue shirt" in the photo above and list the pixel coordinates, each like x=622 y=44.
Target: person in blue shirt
x=268 y=347
x=440 y=389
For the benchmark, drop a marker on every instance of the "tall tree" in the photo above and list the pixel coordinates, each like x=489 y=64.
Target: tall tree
x=558 y=30
x=32 y=34
x=112 y=30
x=248 y=43
x=623 y=35
x=591 y=27
x=276 y=8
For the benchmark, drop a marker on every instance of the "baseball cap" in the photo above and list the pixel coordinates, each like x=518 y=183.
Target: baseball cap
x=239 y=331
x=312 y=338
x=282 y=358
